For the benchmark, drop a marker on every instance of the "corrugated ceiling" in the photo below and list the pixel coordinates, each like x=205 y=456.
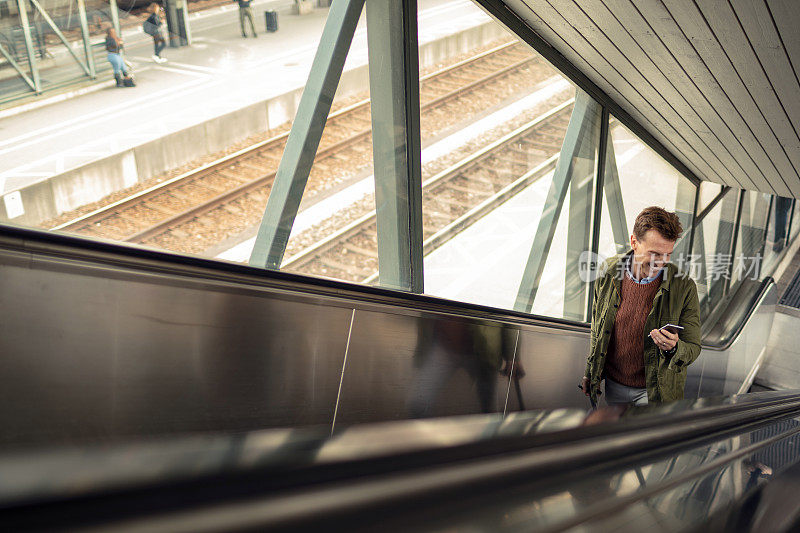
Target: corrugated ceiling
x=715 y=81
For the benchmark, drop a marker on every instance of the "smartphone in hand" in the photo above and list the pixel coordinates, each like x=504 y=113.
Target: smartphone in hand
x=672 y=328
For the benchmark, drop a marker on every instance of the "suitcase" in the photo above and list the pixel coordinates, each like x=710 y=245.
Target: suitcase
x=272 y=20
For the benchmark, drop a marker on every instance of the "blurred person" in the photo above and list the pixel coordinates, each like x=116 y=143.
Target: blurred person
x=154 y=27
x=635 y=295
x=113 y=49
x=444 y=348
x=246 y=12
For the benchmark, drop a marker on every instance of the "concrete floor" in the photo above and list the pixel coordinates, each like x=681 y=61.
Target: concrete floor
x=219 y=73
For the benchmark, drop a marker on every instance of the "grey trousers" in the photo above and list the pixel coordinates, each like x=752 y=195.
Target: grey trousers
x=617 y=393
x=246 y=13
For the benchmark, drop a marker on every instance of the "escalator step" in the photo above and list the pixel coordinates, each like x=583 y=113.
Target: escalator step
x=791 y=297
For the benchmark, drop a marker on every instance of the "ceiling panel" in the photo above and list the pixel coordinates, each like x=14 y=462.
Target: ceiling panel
x=716 y=82
x=738 y=48
x=710 y=101
x=627 y=59
x=637 y=107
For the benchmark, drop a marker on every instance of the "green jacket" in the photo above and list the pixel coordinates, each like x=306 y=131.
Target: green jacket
x=675 y=302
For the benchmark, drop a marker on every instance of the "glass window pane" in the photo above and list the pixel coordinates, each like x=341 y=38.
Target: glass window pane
x=66 y=48
x=708 y=192
x=194 y=168
x=488 y=173
x=712 y=252
x=205 y=190
x=489 y=225
x=749 y=253
x=200 y=147
x=18 y=79
x=58 y=39
x=778 y=231
x=642 y=179
x=795 y=220
x=482 y=71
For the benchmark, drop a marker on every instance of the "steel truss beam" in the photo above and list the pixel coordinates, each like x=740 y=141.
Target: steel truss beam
x=394 y=96
x=576 y=161
x=613 y=193
x=304 y=137
x=17 y=67
x=26 y=31
x=86 y=66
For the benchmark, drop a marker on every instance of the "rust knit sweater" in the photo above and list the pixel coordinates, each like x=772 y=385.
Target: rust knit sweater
x=625 y=358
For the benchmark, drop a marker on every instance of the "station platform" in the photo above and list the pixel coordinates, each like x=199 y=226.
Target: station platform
x=208 y=96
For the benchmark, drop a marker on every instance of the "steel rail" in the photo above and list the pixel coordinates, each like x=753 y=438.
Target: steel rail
x=105 y=212
x=310 y=254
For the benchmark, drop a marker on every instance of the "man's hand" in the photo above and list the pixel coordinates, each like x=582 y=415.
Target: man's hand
x=585 y=385
x=664 y=339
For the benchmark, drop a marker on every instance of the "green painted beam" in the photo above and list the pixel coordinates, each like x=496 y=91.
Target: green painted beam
x=304 y=137
x=394 y=94
x=581 y=138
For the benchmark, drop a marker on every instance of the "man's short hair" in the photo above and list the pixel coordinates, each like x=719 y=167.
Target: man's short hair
x=661 y=220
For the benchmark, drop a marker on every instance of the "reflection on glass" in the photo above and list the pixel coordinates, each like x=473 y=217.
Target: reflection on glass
x=747 y=260
x=712 y=249
x=780 y=216
x=795 y=222
x=681 y=492
x=444 y=349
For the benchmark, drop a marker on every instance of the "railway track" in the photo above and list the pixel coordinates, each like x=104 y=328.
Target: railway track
x=156 y=215
x=452 y=200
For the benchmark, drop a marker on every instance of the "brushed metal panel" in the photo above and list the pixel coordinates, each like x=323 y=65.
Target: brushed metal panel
x=723 y=372
x=554 y=362
x=781 y=369
x=87 y=356
x=694 y=378
x=401 y=366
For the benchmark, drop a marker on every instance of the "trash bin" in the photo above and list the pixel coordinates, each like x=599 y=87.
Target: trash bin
x=272 y=20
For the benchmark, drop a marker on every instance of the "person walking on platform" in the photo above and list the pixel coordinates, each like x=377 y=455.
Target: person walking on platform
x=153 y=27
x=246 y=12
x=114 y=47
x=645 y=326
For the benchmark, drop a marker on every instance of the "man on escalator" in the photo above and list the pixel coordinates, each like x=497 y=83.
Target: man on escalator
x=636 y=295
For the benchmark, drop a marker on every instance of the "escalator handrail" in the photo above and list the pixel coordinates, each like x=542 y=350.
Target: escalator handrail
x=354 y=483
x=755 y=303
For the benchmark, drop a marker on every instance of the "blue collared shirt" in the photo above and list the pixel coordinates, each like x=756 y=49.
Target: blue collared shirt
x=643 y=281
